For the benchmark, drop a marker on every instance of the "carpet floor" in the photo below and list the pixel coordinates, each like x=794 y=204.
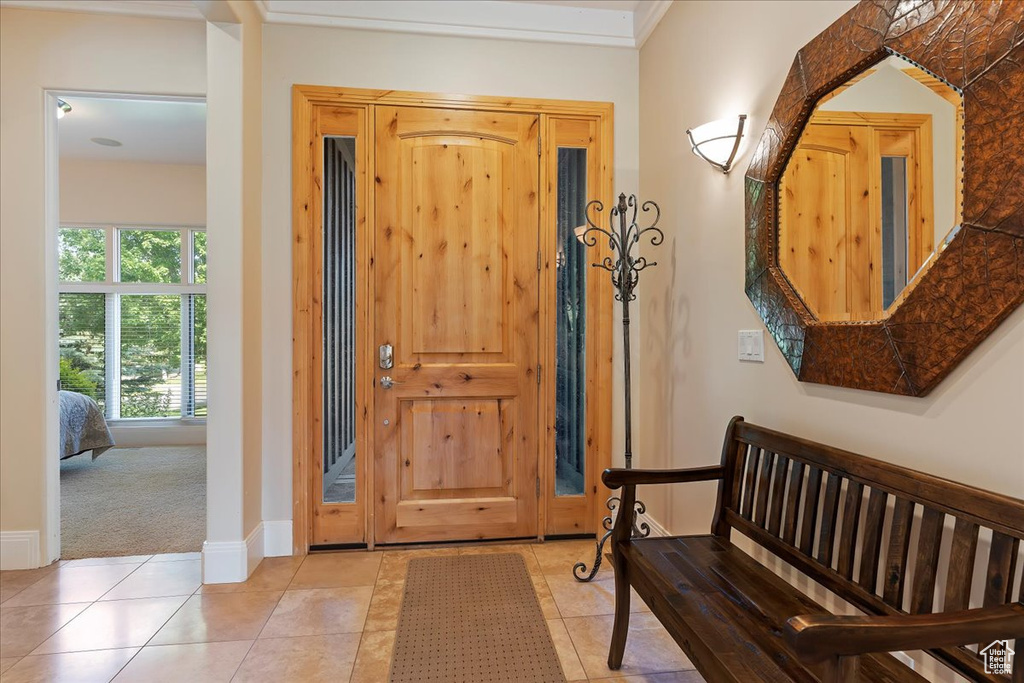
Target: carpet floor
x=133 y=501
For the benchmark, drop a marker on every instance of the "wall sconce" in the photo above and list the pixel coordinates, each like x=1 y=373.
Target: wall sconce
x=63 y=108
x=718 y=141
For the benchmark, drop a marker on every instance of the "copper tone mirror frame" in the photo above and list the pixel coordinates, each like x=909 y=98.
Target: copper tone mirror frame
x=978 y=280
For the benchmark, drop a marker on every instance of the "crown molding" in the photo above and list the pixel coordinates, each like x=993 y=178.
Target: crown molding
x=481 y=19
x=646 y=19
x=160 y=9
x=492 y=19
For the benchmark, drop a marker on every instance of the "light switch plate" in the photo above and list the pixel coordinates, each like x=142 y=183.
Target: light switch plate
x=751 y=345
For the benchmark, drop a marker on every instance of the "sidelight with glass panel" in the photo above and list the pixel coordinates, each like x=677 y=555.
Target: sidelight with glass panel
x=570 y=319
x=872 y=191
x=339 y=386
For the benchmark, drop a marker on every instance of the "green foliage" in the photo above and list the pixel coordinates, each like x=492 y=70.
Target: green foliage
x=150 y=256
x=75 y=379
x=82 y=319
x=82 y=255
x=199 y=256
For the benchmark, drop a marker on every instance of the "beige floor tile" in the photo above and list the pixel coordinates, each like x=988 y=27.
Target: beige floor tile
x=176 y=557
x=586 y=599
x=384 y=606
x=206 y=662
x=116 y=624
x=14 y=581
x=310 y=659
x=72 y=584
x=373 y=663
x=272 y=574
x=337 y=570
x=559 y=557
x=96 y=666
x=159 y=580
x=99 y=561
x=671 y=677
x=571 y=665
x=547 y=601
x=319 y=611
x=218 y=617
x=649 y=647
x=396 y=562
x=23 y=629
x=7 y=662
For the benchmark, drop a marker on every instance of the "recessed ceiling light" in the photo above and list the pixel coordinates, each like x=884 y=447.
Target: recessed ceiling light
x=106 y=142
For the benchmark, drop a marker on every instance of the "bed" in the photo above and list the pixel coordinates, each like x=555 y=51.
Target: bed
x=82 y=427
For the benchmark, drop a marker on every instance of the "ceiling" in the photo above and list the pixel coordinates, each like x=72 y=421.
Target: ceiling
x=151 y=131
x=612 y=23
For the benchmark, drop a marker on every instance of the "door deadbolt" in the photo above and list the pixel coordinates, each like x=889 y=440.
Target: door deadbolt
x=386 y=357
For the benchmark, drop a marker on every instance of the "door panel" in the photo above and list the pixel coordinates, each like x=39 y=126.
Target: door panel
x=457 y=227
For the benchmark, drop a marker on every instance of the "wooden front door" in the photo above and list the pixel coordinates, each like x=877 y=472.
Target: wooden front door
x=456 y=297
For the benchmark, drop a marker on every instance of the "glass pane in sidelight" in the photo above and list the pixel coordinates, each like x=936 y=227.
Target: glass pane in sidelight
x=339 y=385
x=571 y=300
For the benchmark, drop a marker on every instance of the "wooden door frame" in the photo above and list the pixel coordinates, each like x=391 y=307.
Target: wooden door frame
x=307 y=387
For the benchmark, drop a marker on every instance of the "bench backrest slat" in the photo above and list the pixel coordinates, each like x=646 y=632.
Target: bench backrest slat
x=876 y=534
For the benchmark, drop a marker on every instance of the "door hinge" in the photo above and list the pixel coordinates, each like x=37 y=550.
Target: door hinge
x=538 y=487
x=538 y=145
x=540 y=259
x=538 y=373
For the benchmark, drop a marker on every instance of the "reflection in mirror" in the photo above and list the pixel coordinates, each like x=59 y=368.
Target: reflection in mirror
x=872 y=191
x=570 y=343
x=339 y=387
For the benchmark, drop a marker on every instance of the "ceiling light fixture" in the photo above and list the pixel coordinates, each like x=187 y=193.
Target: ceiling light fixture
x=718 y=142
x=63 y=108
x=107 y=142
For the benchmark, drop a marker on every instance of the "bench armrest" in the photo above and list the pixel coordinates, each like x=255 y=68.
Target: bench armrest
x=615 y=478
x=818 y=637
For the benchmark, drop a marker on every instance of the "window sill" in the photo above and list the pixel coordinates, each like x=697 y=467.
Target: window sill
x=169 y=422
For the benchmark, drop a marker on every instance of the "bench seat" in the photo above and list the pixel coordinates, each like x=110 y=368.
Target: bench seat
x=930 y=563
x=717 y=600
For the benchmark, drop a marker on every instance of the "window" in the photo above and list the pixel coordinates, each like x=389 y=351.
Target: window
x=132 y=308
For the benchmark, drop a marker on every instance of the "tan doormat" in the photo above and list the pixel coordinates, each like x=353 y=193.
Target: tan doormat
x=472 y=619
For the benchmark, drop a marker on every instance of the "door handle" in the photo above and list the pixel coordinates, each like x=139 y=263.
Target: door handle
x=386 y=382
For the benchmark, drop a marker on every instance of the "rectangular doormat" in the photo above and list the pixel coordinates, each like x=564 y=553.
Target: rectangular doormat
x=472 y=619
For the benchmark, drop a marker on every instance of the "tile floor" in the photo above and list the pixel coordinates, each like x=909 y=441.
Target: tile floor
x=329 y=617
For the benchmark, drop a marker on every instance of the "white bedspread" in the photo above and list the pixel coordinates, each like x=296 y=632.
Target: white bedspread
x=82 y=427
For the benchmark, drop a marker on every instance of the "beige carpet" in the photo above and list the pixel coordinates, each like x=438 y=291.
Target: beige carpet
x=133 y=501
x=472 y=619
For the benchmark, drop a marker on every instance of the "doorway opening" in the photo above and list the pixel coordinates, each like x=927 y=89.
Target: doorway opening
x=131 y=324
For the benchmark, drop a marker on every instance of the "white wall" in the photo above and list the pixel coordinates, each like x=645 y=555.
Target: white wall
x=968 y=429
x=234 y=541
x=120 y=192
x=56 y=50
x=367 y=59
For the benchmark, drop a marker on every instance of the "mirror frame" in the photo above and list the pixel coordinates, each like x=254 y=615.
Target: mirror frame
x=973 y=284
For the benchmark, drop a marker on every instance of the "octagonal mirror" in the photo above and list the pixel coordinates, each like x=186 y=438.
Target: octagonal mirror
x=872 y=191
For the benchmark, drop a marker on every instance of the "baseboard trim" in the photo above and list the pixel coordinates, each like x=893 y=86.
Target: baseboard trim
x=19 y=550
x=656 y=528
x=277 y=538
x=225 y=561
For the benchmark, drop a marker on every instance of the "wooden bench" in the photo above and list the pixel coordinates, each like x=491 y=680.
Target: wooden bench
x=846 y=521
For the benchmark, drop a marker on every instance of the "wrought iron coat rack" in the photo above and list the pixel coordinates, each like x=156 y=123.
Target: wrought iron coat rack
x=625 y=268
